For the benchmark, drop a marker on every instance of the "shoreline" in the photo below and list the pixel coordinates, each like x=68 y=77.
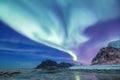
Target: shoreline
x=93 y=68
x=97 y=68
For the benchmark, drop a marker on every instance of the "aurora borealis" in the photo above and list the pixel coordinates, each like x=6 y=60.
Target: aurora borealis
x=78 y=27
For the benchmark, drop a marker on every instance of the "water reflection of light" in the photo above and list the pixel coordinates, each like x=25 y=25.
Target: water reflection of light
x=77 y=77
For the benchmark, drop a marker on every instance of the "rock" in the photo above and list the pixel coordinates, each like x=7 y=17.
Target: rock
x=109 y=55
x=9 y=74
x=52 y=65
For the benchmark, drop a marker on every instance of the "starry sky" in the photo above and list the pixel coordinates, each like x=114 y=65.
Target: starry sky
x=66 y=30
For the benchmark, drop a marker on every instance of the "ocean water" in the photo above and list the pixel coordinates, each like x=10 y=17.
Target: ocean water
x=61 y=75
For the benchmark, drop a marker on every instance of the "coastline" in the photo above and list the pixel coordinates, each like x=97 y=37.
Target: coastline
x=91 y=68
x=73 y=73
x=97 y=68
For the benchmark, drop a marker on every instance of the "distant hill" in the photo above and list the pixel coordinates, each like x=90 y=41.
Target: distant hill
x=53 y=65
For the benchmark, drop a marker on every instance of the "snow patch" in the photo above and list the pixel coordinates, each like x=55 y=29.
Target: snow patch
x=115 y=44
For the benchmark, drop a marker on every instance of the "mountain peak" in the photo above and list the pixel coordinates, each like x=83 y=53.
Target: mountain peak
x=114 y=44
x=109 y=55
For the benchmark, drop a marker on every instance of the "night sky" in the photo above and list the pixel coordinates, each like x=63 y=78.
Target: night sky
x=17 y=51
x=62 y=30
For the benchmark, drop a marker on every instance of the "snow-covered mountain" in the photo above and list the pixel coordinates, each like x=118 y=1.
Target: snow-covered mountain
x=108 y=55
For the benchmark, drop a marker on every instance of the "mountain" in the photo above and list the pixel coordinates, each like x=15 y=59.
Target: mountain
x=109 y=55
x=52 y=65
